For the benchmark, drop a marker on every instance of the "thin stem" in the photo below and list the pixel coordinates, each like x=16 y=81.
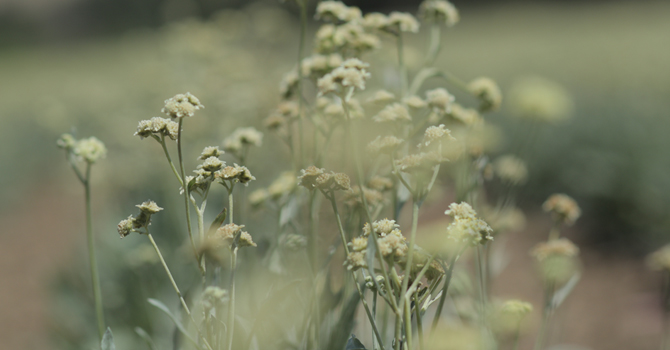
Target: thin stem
x=301 y=48
x=371 y=316
x=419 y=322
x=186 y=192
x=445 y=287
x=401 y=66
x=374 y=317
x=231 y=306
x=169 y=159
x=95 y=278
x=230 y=202
x=434 y=45
x=408 y=269
x=546 y=317
x=176 y=288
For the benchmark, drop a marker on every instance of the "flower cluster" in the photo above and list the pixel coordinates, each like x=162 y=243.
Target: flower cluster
x=351 y=74
x=316 y=178
x=182 y=105
x=143 y=220
x=89 y=150
x=436 y=11
x=242 y=137
x=488 y=93
x=233 y=236
x=158 y=127
x=510 y=169
x=466 y=226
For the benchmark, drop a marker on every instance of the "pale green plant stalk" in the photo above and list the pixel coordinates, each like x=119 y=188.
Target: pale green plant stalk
x=176 y=289
x=370 y=314
x=95 y=278
x=231 y=306
x=93 y=264
x=186 y=192
x=547 y=313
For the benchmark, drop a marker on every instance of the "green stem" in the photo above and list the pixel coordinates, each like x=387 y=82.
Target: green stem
x=301 y=48
x=402 y=67
x=434 y=45
x=408 y=269
x=95 y=278
x=231 y=307
x=169 y=159
x=230 y=202
x=370 y=315
x=419 y=322
x=176 y=289
x=186 y=192
x=445 y=287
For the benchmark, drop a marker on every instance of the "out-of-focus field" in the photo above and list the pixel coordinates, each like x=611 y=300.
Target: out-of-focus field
x=612 y=57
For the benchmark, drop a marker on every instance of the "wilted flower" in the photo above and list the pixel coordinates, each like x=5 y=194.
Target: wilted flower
x=149 y=207
x=309 y=175
x=125 y=227
x=182 y=105
x=563 y=208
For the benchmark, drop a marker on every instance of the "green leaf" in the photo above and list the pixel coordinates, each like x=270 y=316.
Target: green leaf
x=146 y=337
x=354 y=344
x=561 y=294
x=218 y=221
x=162 y=307
x=108 y=340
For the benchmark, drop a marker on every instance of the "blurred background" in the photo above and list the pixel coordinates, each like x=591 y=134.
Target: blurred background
x=100 y=66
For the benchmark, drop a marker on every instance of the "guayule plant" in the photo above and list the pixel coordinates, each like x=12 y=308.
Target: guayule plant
x=324 y=272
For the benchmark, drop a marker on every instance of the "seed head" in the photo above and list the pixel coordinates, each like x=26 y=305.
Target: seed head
x=125 y=227
x=149 y=207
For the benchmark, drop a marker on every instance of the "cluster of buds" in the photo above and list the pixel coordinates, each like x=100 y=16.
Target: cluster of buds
x=143 y=220
x=204 y=173
x=158 y=127
x=182 y=105
x=88 y=150
x=317 y=178
x=232 y=235
x=233 y=174
x=395 y=23
x=351 y=74
x=467 y=227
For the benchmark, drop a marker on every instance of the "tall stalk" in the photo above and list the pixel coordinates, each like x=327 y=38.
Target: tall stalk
x=95 y=278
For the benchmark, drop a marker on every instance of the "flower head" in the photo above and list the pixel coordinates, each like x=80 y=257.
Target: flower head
x=351 y=74
x=393 y=112
x=439 y=11
x=488 y=93
x=466 y=226
x=182 y=105
x=563 y=208
x=90 y=149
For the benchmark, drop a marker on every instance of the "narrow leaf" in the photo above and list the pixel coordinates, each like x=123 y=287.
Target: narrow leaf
x=561 y=294
x=146 y=337
x=218 y=221
x=162 y=307
x=108 y=340
x=354 y=344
